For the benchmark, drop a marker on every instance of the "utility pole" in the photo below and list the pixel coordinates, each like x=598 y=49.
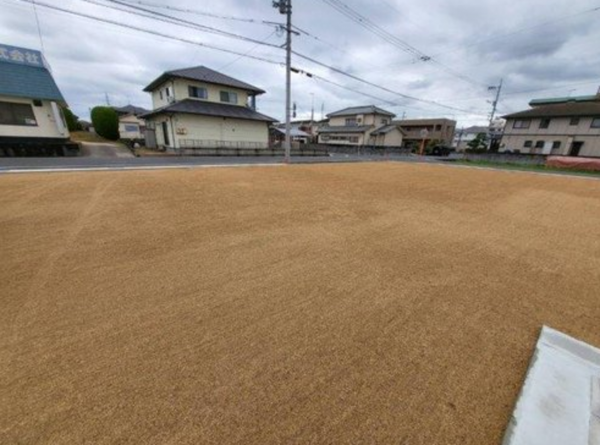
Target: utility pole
x=493 y=115
x=312 y=108
x=495 y=103
x=107 y=99
x=285 y=7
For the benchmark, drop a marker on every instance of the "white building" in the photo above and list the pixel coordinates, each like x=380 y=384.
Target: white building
x=30 y=102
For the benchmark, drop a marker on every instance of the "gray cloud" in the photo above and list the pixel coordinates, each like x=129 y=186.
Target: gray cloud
x=484 y=40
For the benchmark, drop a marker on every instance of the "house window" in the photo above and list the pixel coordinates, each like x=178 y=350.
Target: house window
x=17 y=114
x=351 y=122
x=197 y=92
x=539 y=144
x=354 y=139
x=522 y=124
x=438 y=128
x=528 y=144
x=384 y=121
x=574 y=121
x=168 y=92
x=132 y=128
x=160 y=94
x=556 y=145
x=596 y=122
x=229 y=97
x=545 y=123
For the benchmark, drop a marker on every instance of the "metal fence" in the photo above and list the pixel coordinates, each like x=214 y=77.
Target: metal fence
x=210 y=143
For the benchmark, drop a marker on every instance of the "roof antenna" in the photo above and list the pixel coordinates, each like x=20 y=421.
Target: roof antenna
x=39 y=28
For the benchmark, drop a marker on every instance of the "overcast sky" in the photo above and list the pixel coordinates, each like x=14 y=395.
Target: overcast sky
x=541 y=48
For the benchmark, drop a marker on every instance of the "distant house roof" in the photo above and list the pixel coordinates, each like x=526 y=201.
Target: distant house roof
x=131 y=109
x=202 y=74
x=198 y=107
x=560 y=110
x=411 y=122
x=476 y=129
x=345 y=129
x=561 y=100
x=386 y=129
x=23 y=73
x=369 y=109
x=295 y=132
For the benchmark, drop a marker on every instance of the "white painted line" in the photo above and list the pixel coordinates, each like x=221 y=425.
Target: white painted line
x=556 y=405
x=127 y=168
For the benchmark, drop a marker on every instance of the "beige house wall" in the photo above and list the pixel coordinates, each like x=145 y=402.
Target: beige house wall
x=393 y=138
x=184 y=129
x=46 y=127
x=559 y=130
x=131 y=119
x=362 y=119
x=413 y=130
x=179 y=90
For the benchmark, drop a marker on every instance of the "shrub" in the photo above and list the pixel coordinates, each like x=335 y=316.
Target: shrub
x=106 y=123
x=72 y=120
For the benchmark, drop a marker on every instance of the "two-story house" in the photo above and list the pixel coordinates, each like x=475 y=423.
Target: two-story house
x=568 y=126
x=202 y=108
x=359 y=126
x=417 y=130
x=31 y=117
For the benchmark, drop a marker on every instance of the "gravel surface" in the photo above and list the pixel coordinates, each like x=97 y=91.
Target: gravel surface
x=345 y=304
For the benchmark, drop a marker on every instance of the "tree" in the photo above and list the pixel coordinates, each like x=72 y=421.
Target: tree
x=478 y=145
x=72 y=120
x=106 y=122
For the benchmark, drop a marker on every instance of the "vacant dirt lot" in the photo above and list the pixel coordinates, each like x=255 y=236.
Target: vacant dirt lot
x=339 y=304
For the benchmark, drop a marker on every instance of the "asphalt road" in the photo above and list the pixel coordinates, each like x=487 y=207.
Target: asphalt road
x=127 y=163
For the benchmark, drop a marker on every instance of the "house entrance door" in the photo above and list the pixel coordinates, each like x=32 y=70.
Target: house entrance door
x=165 y=130
x=575 y=148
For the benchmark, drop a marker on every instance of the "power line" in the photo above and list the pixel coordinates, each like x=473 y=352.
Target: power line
x=520 y=30
x=39 y=28
x=363 y=21
x=197 y=12
x=152 y=32
x=259 y=58
x=247 y=53
x=310 y=59
x=198 y=26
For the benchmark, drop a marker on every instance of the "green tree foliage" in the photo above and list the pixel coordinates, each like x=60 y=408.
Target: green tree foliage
x=479 y=144
x=72 y=120
x=106 y=122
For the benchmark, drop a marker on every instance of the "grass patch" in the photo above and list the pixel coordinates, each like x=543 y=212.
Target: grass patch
x=86 y=136
x=523 y=167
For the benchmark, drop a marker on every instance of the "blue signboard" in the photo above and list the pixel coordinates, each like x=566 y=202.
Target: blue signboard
x=21 y=56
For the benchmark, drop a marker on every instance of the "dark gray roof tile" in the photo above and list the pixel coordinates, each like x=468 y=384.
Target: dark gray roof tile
x=203 y=74
x=193 y=106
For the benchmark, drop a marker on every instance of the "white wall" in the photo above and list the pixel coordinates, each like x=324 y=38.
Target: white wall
x=208 y=128
x=46 y=124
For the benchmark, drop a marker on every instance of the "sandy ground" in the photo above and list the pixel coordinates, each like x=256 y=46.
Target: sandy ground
x=347 y=304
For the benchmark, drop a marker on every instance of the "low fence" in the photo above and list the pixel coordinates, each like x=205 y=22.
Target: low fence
x=506 y=158
x=364 y=150
x=210 y=143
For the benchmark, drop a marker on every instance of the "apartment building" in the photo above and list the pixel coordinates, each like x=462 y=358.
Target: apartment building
x=201 y=108
x=416 y=130
x=568 y=126
x=359 y=126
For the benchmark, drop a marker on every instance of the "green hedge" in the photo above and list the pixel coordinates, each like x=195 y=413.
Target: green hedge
x=106 y=123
